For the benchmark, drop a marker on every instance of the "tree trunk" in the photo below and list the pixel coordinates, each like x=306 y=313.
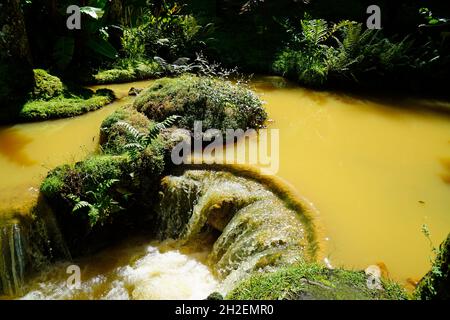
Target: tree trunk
x=14 y=40
x=114 y=12
x=16 y=74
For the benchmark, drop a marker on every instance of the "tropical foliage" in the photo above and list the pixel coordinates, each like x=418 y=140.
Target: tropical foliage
x=320 y=52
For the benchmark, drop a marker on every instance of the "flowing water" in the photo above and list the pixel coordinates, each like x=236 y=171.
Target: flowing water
x=139 y=270
x=374 y=172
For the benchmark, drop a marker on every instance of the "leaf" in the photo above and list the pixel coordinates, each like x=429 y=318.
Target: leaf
x=131 y=130
x=93 y=12
x=81 y=205
x=63 y=51
x=433 y=21
x=102 y=47
x=133 y=146
x=93 y=215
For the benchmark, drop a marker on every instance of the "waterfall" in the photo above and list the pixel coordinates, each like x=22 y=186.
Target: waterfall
x=257 y=228
x=12 y=258
x=29 y=241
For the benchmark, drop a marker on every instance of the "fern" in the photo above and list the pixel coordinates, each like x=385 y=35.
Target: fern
x=132 y=131
x=102 y=203
x=81 y=205
x=314 y=31
x=140 y=141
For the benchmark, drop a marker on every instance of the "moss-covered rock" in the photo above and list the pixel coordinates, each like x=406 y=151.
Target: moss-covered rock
x=113 y=137
x=306 y=281
x=436 y=283
x=256 y=228
x=51 y=99
x=46 y=86
x=219 y=104
x=130 y=198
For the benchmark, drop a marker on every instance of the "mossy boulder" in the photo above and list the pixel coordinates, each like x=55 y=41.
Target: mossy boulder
x=50 y=98
x=435 y=285
x=133 y=194
x=219 y=104
x=312 y=281
x=113 y=137
x=46 y=86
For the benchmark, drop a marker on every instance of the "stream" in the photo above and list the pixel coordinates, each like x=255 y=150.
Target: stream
x=374 y=172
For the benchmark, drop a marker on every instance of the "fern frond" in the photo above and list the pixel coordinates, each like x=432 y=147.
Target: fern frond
x=81 y=205
x=73 y=197
x=131 y=130
x=155 y=130
x=105 y=186
x=134 y=145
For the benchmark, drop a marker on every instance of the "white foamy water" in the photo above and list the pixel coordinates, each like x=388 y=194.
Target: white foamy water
x=156 y=275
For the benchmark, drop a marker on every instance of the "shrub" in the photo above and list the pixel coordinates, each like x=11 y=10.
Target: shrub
x=319 y=53
x=218 y=103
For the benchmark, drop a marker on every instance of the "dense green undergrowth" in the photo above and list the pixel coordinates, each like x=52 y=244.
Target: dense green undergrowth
x=320 y=53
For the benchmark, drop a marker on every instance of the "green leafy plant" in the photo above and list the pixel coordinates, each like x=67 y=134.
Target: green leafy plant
x=436 y=252
x=320 y=52
x=139 y=140
x=94 y=36
x=101 y=205
x=431 y=18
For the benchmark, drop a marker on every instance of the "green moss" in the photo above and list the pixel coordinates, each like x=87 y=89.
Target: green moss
x=46 y=85
x=62 y=107
x=217 y=103
x=128 y=71
x=133 y=193
x=82 y=176
x=54 y=183
x=313 y=281
x=51 y=99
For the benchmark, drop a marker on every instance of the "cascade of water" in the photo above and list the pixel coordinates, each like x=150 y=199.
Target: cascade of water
x=258 y=229
x=12 y=259
x=28 y=244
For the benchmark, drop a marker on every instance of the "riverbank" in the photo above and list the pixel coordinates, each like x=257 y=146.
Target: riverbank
x=51 y=99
